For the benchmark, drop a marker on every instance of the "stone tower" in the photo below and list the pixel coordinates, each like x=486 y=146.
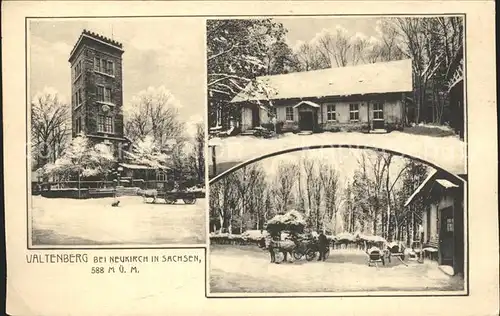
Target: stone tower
x=97 y=90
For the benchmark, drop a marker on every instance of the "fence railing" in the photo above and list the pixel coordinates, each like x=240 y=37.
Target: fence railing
x=135 y=183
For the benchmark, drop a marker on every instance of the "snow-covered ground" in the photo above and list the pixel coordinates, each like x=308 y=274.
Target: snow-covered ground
x=446 y=152
x=246 y=269
x=96 y=222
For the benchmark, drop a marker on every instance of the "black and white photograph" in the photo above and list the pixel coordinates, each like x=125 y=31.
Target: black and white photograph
x=117 y=133
x=250 y=157
x=339 y=221
x=386 y=81
x=337 y=153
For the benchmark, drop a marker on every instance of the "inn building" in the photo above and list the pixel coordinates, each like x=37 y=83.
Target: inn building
x=370 y=96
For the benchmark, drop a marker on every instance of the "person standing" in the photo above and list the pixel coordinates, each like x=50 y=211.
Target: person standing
x=323 y=246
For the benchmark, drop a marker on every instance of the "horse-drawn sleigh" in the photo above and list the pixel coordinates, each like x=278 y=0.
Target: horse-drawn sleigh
x=298 y=248
x=170 y=197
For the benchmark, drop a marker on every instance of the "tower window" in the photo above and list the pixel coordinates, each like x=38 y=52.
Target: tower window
x=105 y=124
x=78 y=69
x=110 y=70
x=104 y=94
x=104 y=66
x=97 y=64
x=78 y=97
x=107 y=95
x=78 y=125
x=100 y=93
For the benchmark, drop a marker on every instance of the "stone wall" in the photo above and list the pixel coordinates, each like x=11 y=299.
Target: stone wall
x=88 y=81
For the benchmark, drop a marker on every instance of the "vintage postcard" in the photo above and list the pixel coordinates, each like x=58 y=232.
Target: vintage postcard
x=192 y=157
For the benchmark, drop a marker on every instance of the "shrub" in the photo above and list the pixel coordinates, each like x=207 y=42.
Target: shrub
x=334 y=129
x=270 y=126
x=356 y=128
x=232 y=239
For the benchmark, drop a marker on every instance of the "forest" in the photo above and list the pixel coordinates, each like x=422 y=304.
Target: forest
x=369 y=202
x=238 y=51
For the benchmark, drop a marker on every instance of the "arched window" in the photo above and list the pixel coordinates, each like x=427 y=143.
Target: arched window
x=161 y=176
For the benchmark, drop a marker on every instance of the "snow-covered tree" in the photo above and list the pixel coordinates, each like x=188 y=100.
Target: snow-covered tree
x=81 y=159
x=50 y=126
x=147 y=152
x=238 y=51
x=154 y=112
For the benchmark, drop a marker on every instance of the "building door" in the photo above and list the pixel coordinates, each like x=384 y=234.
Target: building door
x=255 y=116
x=306 y=122
x=446 y=237
x=378 y=115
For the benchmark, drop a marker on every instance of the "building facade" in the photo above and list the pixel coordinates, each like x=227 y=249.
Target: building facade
x=97 y=90
x=443 y=218
x=370 y=96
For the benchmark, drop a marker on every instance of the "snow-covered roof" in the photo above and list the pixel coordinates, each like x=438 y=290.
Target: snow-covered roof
x=139 y=167
x=314 y=105
x=393 y=76
x=428 y=182
x=446 y=184
x=421 y=187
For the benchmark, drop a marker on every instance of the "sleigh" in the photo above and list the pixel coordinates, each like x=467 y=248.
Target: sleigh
x=375 y=256
x=171 y=196
x=396 y=250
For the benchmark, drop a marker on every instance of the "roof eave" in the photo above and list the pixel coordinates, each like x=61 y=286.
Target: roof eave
x=239 y=100
x=421 y=188
x=75 y=48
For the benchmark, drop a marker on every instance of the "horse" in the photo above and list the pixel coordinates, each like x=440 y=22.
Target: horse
x=148 y=194
x=342 y=243
x=285 y=247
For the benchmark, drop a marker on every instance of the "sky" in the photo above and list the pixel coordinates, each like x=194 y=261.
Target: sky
x=166 y=52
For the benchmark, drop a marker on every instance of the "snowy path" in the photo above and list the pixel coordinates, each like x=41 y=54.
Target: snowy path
x=447 y=152
x=234 y=269
x=94 y=221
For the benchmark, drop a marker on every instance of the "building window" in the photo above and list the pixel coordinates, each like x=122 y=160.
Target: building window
x=78 y=69
x=107 y=95
x=161 y=176
x=274 y=112
x=354 y=112
x=289 y=113
x=219 y=116
x=77 y=98
x=104 y=66
x=104 y=94
x=78 y=125
x=100 y=93
x=331 y=114
x=378 y=111
x=449 y=224
x=97 y=64
x=105 y=124
x=110 y=69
